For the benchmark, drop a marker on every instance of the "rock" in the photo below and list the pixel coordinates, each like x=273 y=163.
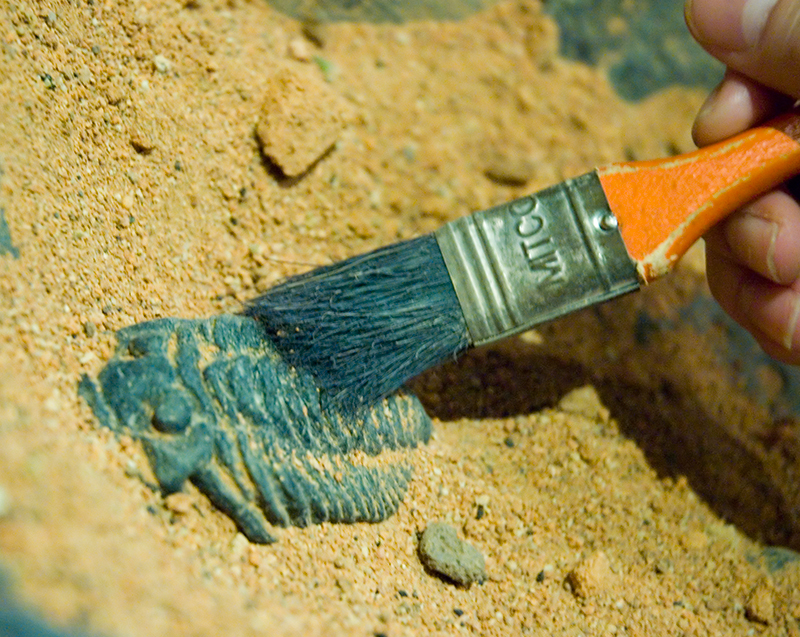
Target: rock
x=141 y=141
x=178 y=503
x=591 y=576
x=162 y=64
x=443 y=552
x=509 y=168
x=301 y=118
x=299 y=49
x=760 y=607
x=586 y=402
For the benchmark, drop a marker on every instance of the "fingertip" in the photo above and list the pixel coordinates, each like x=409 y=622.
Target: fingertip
x=716 y=23
x=775 y=311
x=786 y=253
x=759 y=38
x=770 y=312
x=753 y=240
x=765 y=237
x=736 y=104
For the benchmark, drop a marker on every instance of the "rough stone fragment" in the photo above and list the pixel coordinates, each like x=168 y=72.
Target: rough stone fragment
x=141 y=141
x=760 y=606
x=443 y=552
x=509 y=168
x=591 y=576
x=212 y=402
x=301 y=118
x=586 y=402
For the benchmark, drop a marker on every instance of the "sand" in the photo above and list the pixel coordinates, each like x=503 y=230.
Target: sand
x=614 y=486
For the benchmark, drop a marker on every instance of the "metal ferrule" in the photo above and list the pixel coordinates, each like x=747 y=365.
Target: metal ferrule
x=536 y=258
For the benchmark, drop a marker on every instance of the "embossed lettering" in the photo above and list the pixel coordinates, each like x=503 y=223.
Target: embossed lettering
x=529 y=225
x=543 y=257
x=538 y=247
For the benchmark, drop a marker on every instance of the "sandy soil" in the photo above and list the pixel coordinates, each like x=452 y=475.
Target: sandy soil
x=625 y=488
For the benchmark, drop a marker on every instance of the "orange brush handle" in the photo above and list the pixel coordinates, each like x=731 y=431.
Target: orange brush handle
x=664 y=206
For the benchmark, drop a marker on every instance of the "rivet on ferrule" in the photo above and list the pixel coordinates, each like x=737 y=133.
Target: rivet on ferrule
x=607 y=222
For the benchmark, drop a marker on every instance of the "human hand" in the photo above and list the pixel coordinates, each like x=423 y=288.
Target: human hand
x=753 y=256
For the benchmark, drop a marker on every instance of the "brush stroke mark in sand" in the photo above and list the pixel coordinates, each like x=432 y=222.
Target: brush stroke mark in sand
x=212 y=402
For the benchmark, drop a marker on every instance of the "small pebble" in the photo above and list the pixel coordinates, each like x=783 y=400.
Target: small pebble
x=591 y=576
x=443 y=552
x=301 y=118
x=162 y=64
x=509 y=169
x=178 y=503
x=299 y=49
x=239 y=545
x=760 y=606
x=586 y=402
x=141 y=141
x=89 y=329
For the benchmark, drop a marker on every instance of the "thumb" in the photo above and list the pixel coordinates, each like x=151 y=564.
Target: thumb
x=758 y=38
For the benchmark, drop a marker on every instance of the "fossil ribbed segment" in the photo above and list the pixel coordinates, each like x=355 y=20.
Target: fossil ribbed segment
x=213 y=403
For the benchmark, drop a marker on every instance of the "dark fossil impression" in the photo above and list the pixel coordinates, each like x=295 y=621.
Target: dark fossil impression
x=213 y=403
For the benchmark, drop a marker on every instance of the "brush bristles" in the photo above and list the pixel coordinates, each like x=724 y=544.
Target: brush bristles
x=364 y=326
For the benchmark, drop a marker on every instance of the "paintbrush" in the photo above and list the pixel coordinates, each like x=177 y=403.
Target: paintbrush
x=364 y=326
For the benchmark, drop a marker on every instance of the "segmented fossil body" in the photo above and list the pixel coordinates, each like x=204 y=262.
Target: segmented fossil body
x=212 y=402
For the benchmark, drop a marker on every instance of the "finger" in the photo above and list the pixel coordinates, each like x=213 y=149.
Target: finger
x=765 y=237
x=725 y=276
x=738 y=103
x=768 y=311
x=757 y=38
x=773 y=311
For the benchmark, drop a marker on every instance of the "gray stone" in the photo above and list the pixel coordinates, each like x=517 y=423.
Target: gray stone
x=443 y=552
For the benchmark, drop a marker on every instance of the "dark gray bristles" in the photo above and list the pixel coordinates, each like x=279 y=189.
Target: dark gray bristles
x=364 y=326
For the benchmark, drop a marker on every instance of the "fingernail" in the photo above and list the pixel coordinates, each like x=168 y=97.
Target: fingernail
x=753 y=239
x=754 y=18
x=791 y=326
x=729 y=25
x=775 y=312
